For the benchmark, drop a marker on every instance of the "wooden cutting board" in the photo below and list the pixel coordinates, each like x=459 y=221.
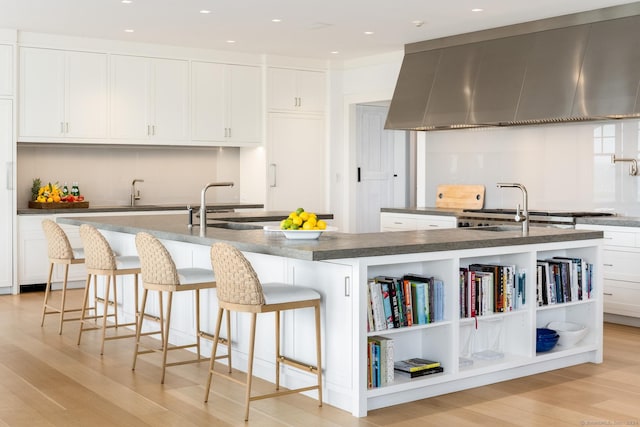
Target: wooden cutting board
x=460 y=196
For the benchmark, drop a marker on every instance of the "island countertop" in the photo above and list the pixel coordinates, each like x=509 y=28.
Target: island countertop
x=330 y=245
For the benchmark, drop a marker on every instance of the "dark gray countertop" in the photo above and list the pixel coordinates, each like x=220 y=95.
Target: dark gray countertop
x=424 y=211
x=617 y=221
x=141 y=208
x=331 y=245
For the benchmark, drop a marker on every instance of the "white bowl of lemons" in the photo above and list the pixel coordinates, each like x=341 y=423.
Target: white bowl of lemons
x=301 y=224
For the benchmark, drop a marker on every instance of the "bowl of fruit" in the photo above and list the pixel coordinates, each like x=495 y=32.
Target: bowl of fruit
x=301 y=224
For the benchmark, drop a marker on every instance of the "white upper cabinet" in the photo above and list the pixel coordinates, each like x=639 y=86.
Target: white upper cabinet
x=149 y=100
x=226 y=103
x=63 y=95
x=6 y=70
x=296 y=90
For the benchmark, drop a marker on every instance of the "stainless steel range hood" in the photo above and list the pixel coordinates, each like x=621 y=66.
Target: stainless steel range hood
x=583 y=66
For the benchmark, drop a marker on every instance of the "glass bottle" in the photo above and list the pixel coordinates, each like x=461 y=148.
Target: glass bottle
x=75 y=191
x=65 y=190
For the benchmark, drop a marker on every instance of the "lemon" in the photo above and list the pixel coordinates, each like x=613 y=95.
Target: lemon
x=299 y=211
x=307 y=226
x=311 y=221
x=321 y=225
x=297 y=221
x=304 y=216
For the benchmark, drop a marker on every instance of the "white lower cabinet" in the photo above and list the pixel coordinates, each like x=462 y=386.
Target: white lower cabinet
x=621 y=258
x=407 y=222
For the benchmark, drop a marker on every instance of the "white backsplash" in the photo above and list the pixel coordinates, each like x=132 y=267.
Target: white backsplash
x=563 y=166
x=171 y=174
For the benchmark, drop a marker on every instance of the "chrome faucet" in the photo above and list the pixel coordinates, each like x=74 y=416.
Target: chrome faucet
x=524 y=216
x=203 y=202
x=135 y=194
x=633 y=170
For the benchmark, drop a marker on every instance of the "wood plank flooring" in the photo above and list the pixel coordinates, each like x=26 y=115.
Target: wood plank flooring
x=47 y=380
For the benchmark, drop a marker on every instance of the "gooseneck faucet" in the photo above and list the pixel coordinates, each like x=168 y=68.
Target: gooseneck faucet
x=524 y=217
x=135 y=194
x=203 y=202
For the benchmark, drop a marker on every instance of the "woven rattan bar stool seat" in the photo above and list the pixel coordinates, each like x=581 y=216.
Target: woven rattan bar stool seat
x=239 y=290
x=159 y=273
x=100 y=260
x=59 y=252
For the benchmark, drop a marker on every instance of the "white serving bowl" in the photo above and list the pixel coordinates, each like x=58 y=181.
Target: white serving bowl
x=570 y=332
x=299 y=234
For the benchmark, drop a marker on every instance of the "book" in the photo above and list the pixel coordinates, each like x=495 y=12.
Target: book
x=385 y=361
x=415 y=364
x=379 y=320
x=424 y=372
x=418 y=293
x=408 y=302
x=386 y=304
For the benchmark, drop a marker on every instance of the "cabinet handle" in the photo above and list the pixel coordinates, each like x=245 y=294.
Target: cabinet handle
x=273 y=175
x=61 y=127
x=148 y=130
x=9 y=175
x=609 y=294
x=228 y=132
x=67 y=127
x=608 y=265
x=299 y=102
x=347 y=286
x=153 y=130
x=359 y=175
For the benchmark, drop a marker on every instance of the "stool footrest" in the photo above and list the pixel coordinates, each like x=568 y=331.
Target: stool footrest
x=283 y=392
x=296 y=364
x=212 y=337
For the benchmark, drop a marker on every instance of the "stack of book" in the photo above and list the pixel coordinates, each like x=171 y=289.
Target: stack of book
x=418 y=367
x=396 y=302
x=491 y=288
x=380 y=361
x=562 y=279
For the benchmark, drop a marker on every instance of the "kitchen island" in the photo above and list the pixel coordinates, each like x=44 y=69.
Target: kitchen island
x=339 y=265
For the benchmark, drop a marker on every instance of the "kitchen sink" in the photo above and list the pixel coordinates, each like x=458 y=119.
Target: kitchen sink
x=235 y=225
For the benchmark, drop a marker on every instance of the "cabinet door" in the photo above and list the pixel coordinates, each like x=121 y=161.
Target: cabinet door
x=244 y=94
x=86 y=95
x=333 y=282
x=311 y=91
x=42 y=82
x=6 y=193
x=208 y=118
x=6 y=69
x=170 y=94
x=129 y=97
x=296 y=162
x=283 y=94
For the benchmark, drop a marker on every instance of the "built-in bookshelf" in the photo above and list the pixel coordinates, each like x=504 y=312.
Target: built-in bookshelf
x=489 y=345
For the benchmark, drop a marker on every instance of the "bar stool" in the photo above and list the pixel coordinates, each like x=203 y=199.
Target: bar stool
x=102 y=261
x=240 y=290
x=60 y=252
x=160 y=274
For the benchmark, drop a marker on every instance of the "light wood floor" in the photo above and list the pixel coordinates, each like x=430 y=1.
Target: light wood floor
x=47 y=380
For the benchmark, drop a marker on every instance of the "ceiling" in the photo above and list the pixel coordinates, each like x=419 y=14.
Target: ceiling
x=322 y=29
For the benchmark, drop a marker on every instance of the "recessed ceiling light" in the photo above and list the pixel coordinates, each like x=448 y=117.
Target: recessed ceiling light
x=418 y=23
x=126 y=1
x=205 y=11
x=231 y=41
x=334 y=52
x=368 y=32
x=128 y=30
x=477 y=9
x=276 y=20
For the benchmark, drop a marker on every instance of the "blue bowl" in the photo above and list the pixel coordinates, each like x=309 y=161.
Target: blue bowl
x=547 y=343
x=545 y=332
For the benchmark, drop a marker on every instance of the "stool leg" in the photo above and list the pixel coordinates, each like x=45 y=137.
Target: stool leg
x=198 y=331
x=64 y=297
x=318 y=353
x=278 y=352
x=115 y=300
x=105 y=313
x=228 y=337
x=161 y=311
x=250 y=365
x=85 y=298
x=165 y=346
x=139 y=327
x=136 y=307
x=213 y=352
x=47 y=293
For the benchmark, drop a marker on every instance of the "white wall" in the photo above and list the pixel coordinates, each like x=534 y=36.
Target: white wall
x=171 y=174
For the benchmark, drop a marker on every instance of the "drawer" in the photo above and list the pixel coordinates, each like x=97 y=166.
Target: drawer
x=621 y=265
x=619 y=238
x=397 y=223
x=621 y=297
x=437 y=222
